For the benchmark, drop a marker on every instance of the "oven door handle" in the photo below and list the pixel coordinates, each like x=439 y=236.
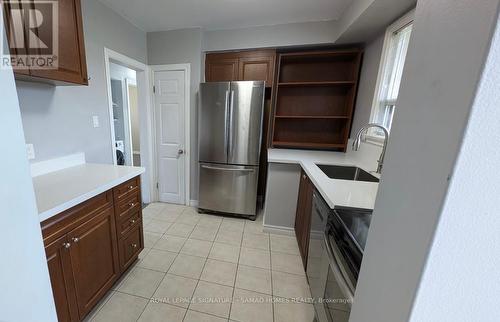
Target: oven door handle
x=345 y=286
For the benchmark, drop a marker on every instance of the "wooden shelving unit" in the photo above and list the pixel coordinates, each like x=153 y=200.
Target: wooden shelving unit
x=314 y=99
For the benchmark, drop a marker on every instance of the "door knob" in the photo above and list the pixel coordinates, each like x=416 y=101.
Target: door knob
x=66 y=245
x=181 y=151
x=75 y=239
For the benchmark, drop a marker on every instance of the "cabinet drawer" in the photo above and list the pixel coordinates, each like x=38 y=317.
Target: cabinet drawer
x=127 y=188
x=128 y=222
x=130 y=246
x=125 y=207
x=64 y=222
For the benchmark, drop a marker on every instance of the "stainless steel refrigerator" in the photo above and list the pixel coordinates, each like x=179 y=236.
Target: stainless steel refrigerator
x=229 y=138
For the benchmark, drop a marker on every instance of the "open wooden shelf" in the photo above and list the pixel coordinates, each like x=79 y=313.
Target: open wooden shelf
x=314 y=99
x=326 y=83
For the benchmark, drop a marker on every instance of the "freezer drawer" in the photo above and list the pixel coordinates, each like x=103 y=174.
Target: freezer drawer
x=227 y=188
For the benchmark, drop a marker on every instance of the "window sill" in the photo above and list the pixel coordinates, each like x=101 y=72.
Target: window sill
x=374 y=140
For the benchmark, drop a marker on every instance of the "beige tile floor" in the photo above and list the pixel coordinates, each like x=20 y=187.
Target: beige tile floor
x=199 y=267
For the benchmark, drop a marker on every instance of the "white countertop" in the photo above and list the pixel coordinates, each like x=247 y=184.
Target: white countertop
x=60 y=190
x=344 y=193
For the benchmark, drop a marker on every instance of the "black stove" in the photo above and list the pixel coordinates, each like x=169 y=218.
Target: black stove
x=347 y=229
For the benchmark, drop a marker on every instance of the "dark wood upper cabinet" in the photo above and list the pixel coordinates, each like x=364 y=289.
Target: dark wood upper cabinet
x=72 y=66
x=256 y=65
x=303 y=215
x=257 y=68
x=13 y=34
x=221 y=70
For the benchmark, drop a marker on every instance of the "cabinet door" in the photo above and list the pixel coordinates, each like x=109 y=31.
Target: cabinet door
x=220 y=69
x=257 y=69
x=94 y=259
x=303 y=216
x=72 y=66
x=15 y=37
x=59 y=265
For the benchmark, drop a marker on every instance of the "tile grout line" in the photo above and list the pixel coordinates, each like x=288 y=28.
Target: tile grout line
x=199 y=278
x=156 y=289
x=271 y=269
x=240 y=246
x=237 y=269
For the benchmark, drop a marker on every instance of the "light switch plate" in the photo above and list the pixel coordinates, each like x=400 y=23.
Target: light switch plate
x=30 y=151
x=95 y=120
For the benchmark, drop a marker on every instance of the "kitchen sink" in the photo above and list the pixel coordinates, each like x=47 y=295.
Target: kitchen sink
x=347 y=173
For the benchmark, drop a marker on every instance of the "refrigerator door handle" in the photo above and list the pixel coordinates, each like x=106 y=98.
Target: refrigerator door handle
x=226 y=114
x=227 y=169
x=231 y=106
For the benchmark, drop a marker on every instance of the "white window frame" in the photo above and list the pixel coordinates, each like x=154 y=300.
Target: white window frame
x=405 y=20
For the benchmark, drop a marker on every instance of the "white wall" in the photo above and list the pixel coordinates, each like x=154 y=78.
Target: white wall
x=449 y=43
x=466 y=246
x=179 y=47
x=25 y=291
x=58 y=120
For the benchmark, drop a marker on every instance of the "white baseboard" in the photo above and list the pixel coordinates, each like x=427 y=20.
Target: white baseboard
x=193 y=203
x=280 y=230
x=47 y=166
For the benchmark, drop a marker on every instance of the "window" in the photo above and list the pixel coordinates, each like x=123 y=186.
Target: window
x=396 y=43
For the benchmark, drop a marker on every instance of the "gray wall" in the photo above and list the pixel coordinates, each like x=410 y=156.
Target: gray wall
x=470 y=244
x=178 y=47
x=24 y=277
x=58 y=120
x=281 y=195
x=445 y=59
x=292 y=34
x=365 y=19
x=367 y=82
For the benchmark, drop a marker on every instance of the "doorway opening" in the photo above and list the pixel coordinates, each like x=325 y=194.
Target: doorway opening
x=126 y=121
x=130 y=117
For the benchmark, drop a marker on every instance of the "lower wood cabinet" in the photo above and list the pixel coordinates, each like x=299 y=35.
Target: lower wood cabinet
x=61 y=279
x=88 y=249
x=303 y=215
x=94 y=259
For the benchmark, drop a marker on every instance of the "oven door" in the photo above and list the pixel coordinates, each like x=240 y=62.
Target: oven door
x=338 y=295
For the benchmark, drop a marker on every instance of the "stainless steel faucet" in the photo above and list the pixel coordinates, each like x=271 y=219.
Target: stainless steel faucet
x=357 y=143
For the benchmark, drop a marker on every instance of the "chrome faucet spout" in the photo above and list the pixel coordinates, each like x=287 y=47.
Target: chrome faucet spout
x=357 y=142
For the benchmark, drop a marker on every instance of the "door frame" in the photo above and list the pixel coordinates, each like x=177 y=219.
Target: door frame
x=148 y=184
x=186 y=68
x=126 y=84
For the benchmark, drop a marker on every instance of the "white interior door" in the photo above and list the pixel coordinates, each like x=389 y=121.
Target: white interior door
x=170 y=108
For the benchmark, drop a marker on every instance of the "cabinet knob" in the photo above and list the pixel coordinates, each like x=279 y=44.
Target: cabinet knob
x=134 y=245
x=75 y=239
x=131 y=187
x=304 y=177
x=66 y=245
x=132 y=204
x=132 y=221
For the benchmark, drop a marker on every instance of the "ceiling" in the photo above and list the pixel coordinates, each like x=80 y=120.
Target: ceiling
x=161 y=15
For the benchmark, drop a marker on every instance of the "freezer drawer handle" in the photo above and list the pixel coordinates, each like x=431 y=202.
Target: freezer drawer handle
x=227 y=169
